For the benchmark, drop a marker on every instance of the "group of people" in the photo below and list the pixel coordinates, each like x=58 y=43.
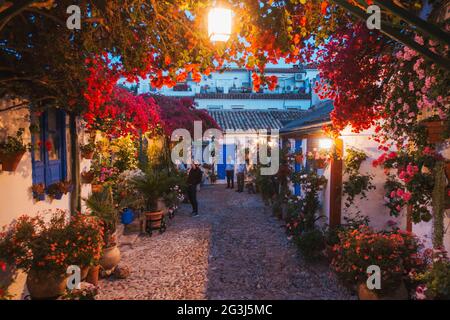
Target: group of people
x=242 y=173
x=195 y=174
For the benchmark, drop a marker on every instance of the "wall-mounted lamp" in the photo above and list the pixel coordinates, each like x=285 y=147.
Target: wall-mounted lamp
x=219 y=24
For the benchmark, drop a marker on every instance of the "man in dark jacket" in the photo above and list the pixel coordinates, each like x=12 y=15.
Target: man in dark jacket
x=194 y=179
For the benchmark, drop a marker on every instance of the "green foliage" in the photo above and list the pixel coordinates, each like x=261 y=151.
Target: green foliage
x=13 y=144
x=437 y=280
x=310 y=243
x=102 y=206
x=357 y=183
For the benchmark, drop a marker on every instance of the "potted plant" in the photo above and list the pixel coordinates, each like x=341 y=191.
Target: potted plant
x=434 y=282
x=394 y=252
x=87 y=150
x=87 y=176
x=101 y=205
x=151 y=187
x=58 y=189
x=12 y=151
x=43 y=247
x=38 y=191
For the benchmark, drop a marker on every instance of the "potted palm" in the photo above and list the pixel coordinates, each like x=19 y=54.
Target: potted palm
x=101 y=205
x=12 y=151
x=151 y=188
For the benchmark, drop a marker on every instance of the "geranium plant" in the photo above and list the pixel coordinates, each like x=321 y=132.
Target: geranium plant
x=13 y=144
x=50 y=244
x=395 y=252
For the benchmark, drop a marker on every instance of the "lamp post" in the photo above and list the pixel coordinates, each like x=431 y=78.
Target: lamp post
x=219 y=24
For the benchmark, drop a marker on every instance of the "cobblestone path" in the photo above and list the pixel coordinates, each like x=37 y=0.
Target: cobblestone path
x=234 y=249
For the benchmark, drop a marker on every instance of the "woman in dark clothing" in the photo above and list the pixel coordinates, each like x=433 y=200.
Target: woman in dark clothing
x=194 y=178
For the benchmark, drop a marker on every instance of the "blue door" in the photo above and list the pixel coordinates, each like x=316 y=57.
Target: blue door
x=298 y=166
x=228 y=154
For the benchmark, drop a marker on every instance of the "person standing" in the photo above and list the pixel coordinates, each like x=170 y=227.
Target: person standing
x=229 y=170
x=193 y=180
x=241 y=171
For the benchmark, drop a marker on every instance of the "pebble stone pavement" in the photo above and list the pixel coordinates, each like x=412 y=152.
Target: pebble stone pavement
x=235 y=249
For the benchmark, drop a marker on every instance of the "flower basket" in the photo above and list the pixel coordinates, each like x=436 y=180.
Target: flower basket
x=10 y=161
x=435 y=130
x=87 y=177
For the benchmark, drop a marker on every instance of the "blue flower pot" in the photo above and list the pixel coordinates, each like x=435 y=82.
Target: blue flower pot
x=127 y=216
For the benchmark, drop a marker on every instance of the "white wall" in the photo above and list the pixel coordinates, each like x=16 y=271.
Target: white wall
x=253 y=104
x=15 y=187
x=374 y=206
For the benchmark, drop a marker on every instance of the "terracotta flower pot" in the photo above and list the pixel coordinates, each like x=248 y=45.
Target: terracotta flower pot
x=87 y=177
x=155 y=218
x=435 y=129
x=88 y=155
x=110 y=258
x=92 y=276
x=10 y=161
x=45 y=285
x=365 y=293
x=320 y=163
x=84 y=272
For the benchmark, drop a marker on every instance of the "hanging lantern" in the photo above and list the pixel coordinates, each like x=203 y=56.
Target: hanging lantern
x=219 y=24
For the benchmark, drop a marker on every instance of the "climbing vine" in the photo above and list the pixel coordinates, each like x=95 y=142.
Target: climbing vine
x=357 y=184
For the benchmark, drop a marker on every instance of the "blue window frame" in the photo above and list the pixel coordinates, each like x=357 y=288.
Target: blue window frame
x=298 y=166
x=49 y=147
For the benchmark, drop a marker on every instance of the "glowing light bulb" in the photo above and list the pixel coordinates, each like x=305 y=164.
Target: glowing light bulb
x=219 y=24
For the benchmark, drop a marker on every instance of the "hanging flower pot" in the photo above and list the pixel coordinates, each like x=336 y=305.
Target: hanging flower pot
x=38 y=191
x=10 y=161
x=87 y=154
x=435 y=130
x=87 y=177
x=321 y=163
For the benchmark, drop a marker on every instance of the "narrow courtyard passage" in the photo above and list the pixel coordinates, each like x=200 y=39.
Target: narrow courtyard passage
x=235 y=249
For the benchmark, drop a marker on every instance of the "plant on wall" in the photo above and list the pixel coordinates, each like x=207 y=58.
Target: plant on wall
x=413 y=181
x=357 y=184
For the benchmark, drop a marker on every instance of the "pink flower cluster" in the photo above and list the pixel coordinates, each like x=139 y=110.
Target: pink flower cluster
x=409 y=173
